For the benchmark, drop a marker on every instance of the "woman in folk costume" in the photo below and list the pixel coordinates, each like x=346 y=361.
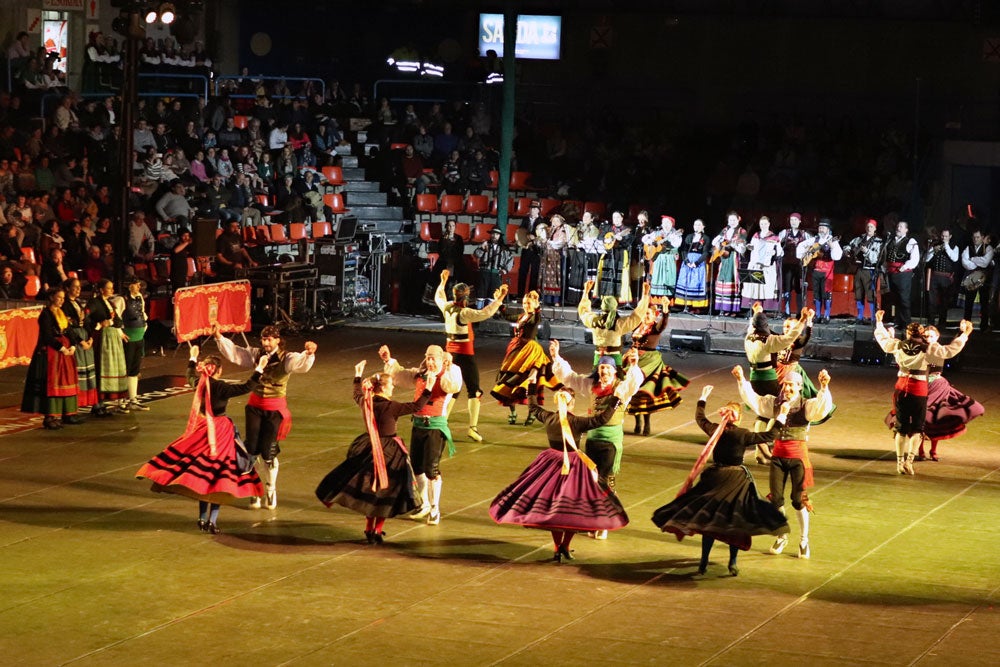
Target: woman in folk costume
x=51 y=386
x=662 y=246
x=605 y=326
x=729 y=244
x=691 y=291
x=559 y=492
x=613 y=266
x=948 y=409
x=556 y=240
x=209 y=461
x=523 y=355
x=764 y=256
x=105 y=324
x=724 y=504
x=661 y=384
x=84 y=344
x=909 y=399
x=376 y=479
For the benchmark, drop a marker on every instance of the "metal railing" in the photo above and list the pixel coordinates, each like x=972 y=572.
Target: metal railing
x=240 y=77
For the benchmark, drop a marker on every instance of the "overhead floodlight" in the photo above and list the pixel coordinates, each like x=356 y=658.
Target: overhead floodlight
x=151 y=16
x=167 y=12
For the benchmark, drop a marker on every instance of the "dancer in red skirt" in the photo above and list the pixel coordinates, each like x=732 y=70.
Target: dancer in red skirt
x=208 y=462
x=559 y=492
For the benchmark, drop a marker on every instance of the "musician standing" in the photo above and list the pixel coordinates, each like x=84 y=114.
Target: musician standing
x=822 y=252
x=865 y=251
x=494 y=261
x=763 y=252
x=585 y=250
x=791 y=266
x=729 y=244
x=941 y=260
x=531 y=252
x=613 y=272
x=663 y=247
x=902 y=255
x=977 y=259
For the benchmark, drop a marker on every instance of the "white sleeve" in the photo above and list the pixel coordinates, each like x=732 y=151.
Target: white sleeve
x=451 y=381
x=966 y=261
x=760 y=405
x=836 y=251
x=631 y=383
x=245 y=357
x=298 y=362
x=564 y=373
x=887 y=342
x=819 y=406
x=914 y=249
x=952 y=252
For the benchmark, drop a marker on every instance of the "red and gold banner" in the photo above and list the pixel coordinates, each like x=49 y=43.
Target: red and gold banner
x=18 y=335
x=197 y=308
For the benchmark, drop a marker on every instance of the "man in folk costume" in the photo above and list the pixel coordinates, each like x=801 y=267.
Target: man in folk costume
x=902 y=255
x=663 y=247
x=791 y=266
x=495 y=260
x=604 y=444
x=822 y=251
x=790 y=455
x=942 y=262
x=866 y=250
x=613 y=266
x=909 y=398
x=978 y=257
x=729 y=244
x=605 y=326
x=458 y=320
x=430 y=424
x=268 y=420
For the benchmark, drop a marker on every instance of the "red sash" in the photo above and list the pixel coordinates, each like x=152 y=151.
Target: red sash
x=277 y=404
x=795 y=449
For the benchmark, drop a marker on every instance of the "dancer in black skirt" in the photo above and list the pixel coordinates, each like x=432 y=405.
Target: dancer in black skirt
x=376 y=479
x=724 y=504
x=558 y=491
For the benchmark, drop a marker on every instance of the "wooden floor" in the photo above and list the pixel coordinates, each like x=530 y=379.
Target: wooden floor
x=97 y=570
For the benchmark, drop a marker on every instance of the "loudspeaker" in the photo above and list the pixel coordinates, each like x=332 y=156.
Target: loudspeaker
x=203 y=233
x=686 y=339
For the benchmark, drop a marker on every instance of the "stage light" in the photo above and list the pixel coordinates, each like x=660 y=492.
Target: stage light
x=151 y=16
x=167 y=12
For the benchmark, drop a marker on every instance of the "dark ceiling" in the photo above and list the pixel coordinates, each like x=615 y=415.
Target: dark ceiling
x=972 y=11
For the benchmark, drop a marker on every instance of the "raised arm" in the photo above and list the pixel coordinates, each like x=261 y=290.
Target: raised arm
x=955 y=346
x=629 y=323
x=244 y=357
x=564 y=372
x=760 y=405
x=820 y=405
x=885 y=340
x=301 y=362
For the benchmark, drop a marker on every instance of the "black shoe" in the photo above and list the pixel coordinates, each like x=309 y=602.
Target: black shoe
x=557 y=556
x=702 y=569
x=213 y=529
x=565 y=552
x=512 y=418
x=733 y=570
x=100 y=411
x=370 y=536
x=72 y=419
x=51 y=424
x=529 y=420
x=637 y=430
x=645 y=429
x=202 y=525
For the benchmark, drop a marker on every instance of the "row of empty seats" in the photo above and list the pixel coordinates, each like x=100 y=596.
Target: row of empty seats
x=480 y=206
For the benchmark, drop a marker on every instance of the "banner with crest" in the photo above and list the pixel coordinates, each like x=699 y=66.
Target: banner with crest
x=18 y=335
x=198 y=308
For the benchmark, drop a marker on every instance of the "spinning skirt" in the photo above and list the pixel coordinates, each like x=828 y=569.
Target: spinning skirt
x=542 y=497
x=723 y=505
x=187 y=467
x=661 y=388
x=350 y=483
x=521 y=358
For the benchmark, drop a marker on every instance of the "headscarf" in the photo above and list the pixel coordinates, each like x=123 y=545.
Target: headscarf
x=609 y=313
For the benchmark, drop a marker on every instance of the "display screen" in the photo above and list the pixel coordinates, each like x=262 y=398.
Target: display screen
x=538 y=37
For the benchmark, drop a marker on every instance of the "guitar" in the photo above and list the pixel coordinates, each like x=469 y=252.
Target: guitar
x=717 y=253
x=814 y=251
x=522 y=237
x=651 y=250
x=610 y=239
